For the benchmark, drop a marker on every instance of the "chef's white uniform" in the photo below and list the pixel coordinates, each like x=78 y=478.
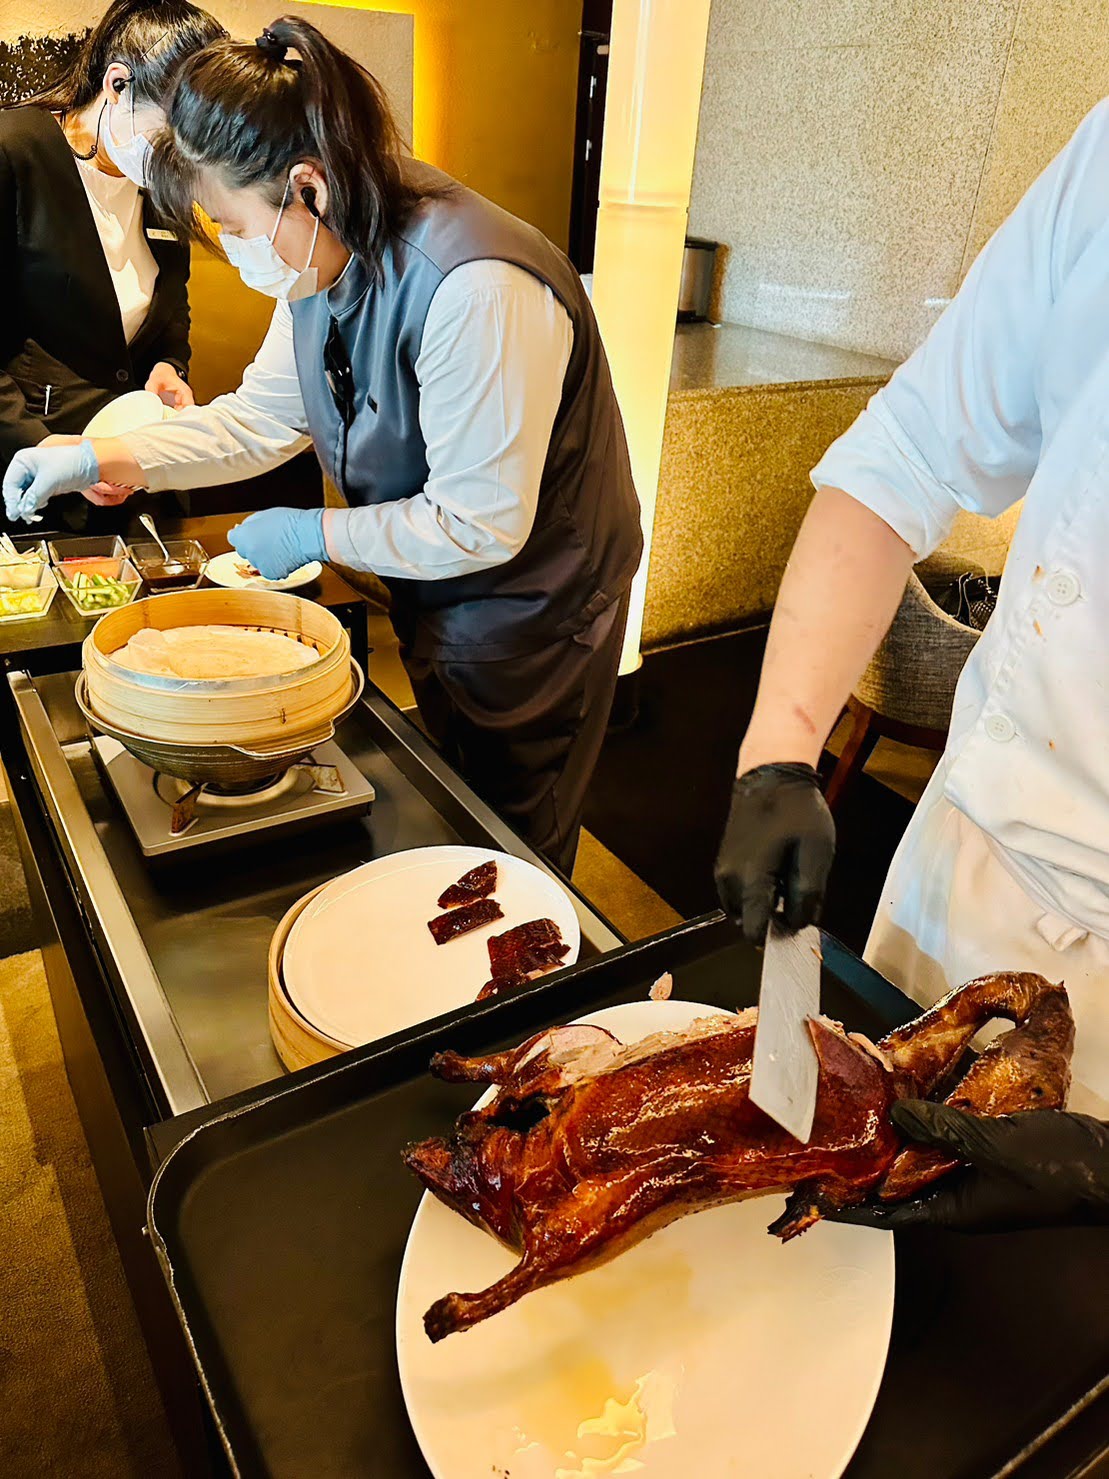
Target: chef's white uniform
x=1005 y=864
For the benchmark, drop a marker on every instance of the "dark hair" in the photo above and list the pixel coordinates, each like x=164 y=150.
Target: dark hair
x=251 y=112
x=152 y=37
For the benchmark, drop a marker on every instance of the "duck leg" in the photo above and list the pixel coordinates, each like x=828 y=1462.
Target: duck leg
x=1027 y=1068
x=925 y=1050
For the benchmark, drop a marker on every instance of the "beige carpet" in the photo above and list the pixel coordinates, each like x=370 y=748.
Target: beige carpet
x=77 y=1398
x=618 y=893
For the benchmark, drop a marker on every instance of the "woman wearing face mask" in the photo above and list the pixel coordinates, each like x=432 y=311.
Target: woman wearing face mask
x=444 y=359
x=96 y=300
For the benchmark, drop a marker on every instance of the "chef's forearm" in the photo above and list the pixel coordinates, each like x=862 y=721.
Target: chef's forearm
x=117 y=463
x=841 y=589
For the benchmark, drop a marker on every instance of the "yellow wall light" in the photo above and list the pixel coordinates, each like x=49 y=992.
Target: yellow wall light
x=656 y=66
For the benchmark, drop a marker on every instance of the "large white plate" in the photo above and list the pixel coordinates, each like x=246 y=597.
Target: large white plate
x=743 y=1357
x=224 y=571
x=360 y=961
x=130 y=412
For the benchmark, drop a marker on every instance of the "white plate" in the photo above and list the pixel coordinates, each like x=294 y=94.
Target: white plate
x=747 y=1358
x=224 y=571
x=360 y=961
x=130 y=412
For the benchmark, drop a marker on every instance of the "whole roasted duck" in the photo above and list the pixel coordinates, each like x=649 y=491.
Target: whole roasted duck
x=589 y=1146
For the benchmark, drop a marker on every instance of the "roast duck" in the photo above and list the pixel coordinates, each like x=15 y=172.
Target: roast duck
x=589 y=1146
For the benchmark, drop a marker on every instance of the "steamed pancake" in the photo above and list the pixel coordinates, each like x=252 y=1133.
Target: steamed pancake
x=213 y=652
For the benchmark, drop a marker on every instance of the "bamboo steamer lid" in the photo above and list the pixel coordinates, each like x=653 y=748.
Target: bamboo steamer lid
x=248 y=711
x=297 y=1042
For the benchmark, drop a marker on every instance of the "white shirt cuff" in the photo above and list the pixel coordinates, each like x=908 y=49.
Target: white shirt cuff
x=876 y=464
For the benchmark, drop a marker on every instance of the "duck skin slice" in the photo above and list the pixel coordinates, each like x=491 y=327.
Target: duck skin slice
x=461 y=921
x=540 y=940
x=479 y=883
x=521 y=954
x=503 y=985
x=589 y=1146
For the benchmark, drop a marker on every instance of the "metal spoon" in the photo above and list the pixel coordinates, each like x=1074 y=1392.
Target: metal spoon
x=173 y=566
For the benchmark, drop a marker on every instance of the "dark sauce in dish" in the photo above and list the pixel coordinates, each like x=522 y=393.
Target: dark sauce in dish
x=160 y=577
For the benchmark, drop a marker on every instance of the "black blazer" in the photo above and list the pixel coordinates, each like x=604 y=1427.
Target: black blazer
x=60 y=325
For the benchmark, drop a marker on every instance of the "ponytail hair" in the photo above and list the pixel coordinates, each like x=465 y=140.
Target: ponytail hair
x=250 y=112
x=151 y=37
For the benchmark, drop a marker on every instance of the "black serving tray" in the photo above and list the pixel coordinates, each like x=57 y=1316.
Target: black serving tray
x=281 y=1224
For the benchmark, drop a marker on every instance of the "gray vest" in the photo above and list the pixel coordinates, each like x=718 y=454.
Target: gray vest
x=586 y=542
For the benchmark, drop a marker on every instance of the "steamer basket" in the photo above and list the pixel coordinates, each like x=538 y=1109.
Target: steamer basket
x=297 y=1042
x=223 y=765
x=250 y=713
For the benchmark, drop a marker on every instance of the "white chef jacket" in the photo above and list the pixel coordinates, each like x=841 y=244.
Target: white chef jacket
x=950 y=911
x=493 y=356
x=1009 y=398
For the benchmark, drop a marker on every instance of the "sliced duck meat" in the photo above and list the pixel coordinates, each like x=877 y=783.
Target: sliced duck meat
x=521 y=954
x=534 y=946
x=479 y=883
x=447 y=927
x=502 y=985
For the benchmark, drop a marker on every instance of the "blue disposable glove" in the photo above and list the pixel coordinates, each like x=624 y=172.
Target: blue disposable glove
x=37 y=474
x=278 y=541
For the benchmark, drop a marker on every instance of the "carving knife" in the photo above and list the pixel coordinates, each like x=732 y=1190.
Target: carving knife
x=784 y=1069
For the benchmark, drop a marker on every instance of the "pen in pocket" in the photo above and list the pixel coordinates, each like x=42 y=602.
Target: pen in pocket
x=46 y=406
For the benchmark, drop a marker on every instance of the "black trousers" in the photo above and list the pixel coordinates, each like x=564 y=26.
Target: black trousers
x=526 y=731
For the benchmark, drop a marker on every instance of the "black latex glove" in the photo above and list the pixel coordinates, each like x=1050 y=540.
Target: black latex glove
x=778 y=844
x=1036 y=1169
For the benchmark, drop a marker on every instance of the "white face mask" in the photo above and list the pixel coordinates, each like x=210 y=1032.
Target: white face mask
x=263 y=269
x=133 y=158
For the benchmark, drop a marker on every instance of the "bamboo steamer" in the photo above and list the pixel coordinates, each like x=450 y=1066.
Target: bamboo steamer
x=256 y=713
x=232 y=766
x=298 y=1043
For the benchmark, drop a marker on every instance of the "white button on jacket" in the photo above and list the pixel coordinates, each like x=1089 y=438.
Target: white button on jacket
x=1063 y=588
x=1009 y=398
x=1000 y=727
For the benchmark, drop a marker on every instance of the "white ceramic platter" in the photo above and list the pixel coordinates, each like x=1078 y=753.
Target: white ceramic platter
x=710 y=1349
x=130 y=412
x=224 y=570
x=360 y=961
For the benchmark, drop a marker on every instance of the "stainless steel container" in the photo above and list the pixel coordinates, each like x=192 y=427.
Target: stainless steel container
x=698 y=266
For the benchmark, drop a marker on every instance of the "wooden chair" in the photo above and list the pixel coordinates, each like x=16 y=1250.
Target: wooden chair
x=907 y=690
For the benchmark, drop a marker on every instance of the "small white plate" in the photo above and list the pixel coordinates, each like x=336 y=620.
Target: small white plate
x=130 y=412
x=224 y=570
x=730 y=1353
x=360 y=962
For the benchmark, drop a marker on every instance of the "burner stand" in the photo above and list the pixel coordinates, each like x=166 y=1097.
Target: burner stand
x=169 y=816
